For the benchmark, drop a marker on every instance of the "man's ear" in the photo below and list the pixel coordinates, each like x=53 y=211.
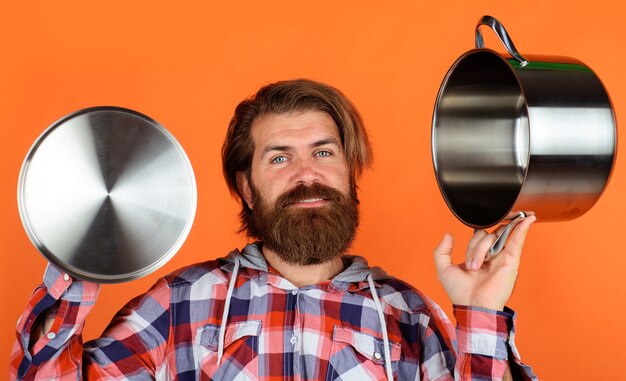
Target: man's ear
x=243 y=185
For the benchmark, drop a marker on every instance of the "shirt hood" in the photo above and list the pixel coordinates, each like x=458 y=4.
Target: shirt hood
x=356 y=270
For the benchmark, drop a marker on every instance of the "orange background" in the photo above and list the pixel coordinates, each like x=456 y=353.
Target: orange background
x=187 y=66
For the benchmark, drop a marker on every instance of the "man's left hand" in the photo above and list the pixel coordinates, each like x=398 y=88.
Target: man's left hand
x=477 y=282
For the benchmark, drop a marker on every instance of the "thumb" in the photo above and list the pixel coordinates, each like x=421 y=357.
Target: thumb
x=443 y=253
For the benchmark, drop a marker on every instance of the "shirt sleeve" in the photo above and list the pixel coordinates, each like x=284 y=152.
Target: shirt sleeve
x=479 y=348
x=133 y=343
x=485 y=345
x=58 y=352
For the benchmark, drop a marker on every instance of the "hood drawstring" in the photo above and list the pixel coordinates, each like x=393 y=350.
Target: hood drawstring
x=383 y=326
x=229 y=294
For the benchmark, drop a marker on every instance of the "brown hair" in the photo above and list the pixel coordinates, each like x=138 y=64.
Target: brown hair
x=291 y=97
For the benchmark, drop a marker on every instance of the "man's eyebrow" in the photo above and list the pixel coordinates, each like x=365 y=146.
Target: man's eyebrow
x=283 y=148
x=271 y=148
x=324 y=142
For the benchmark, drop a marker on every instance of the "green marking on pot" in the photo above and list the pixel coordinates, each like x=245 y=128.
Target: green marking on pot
x=550 y=66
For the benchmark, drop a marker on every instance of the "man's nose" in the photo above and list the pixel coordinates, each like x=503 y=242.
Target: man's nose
x=306 y=172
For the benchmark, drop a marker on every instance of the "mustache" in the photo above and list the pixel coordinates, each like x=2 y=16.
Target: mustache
x=303 y=192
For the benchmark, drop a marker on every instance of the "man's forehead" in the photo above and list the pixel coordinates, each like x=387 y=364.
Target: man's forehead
x=314 y=125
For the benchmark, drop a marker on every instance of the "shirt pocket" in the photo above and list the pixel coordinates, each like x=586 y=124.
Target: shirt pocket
x=356 y=355
x=240 y=354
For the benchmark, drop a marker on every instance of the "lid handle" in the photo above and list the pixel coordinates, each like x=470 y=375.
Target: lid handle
x=498 y=28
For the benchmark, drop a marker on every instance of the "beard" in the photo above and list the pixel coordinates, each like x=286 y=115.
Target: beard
x=307 y=236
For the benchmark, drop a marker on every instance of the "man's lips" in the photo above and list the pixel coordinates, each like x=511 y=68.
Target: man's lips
x=309 y=202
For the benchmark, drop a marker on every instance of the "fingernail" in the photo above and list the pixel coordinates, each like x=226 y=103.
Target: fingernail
x=469 y=264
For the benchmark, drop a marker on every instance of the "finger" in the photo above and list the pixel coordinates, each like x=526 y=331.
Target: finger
x=477 y=256
x=443 y=253
x=476 y=238
x=516 y=242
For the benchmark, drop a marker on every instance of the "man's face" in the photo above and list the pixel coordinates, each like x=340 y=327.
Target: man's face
x=299 y=187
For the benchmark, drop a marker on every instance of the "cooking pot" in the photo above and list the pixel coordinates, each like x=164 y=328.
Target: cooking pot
x=517 y=135
x=107 y=194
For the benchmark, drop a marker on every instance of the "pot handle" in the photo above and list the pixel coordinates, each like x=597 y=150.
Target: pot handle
x=498 y=28
x=498 y=245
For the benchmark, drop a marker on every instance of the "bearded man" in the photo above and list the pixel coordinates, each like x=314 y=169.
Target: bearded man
x=292 y=304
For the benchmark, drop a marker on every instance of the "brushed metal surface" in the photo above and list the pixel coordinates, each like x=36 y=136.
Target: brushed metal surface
x=537 y=136
x=108 y=194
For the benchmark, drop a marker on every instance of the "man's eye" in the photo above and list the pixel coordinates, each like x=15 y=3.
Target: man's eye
x=323 y=153
x=279 y=159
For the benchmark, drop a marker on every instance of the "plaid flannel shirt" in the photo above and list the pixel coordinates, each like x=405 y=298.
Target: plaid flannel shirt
x=274 y=330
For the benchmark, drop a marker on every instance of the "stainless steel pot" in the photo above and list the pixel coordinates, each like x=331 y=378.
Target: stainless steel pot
x=107 y=194
x=515 y=135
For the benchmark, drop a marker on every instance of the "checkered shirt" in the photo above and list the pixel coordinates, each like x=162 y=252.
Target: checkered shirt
x=274 y=330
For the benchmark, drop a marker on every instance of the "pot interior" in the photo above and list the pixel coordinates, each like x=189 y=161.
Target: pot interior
x=480 y=138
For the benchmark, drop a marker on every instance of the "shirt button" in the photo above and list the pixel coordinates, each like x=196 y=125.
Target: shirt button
x=293 y=340
x=66 y=277
x=377 y=356
x=51 y=335
x=294 y=291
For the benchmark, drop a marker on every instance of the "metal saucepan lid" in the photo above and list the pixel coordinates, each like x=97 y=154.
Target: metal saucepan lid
x=107 y=194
